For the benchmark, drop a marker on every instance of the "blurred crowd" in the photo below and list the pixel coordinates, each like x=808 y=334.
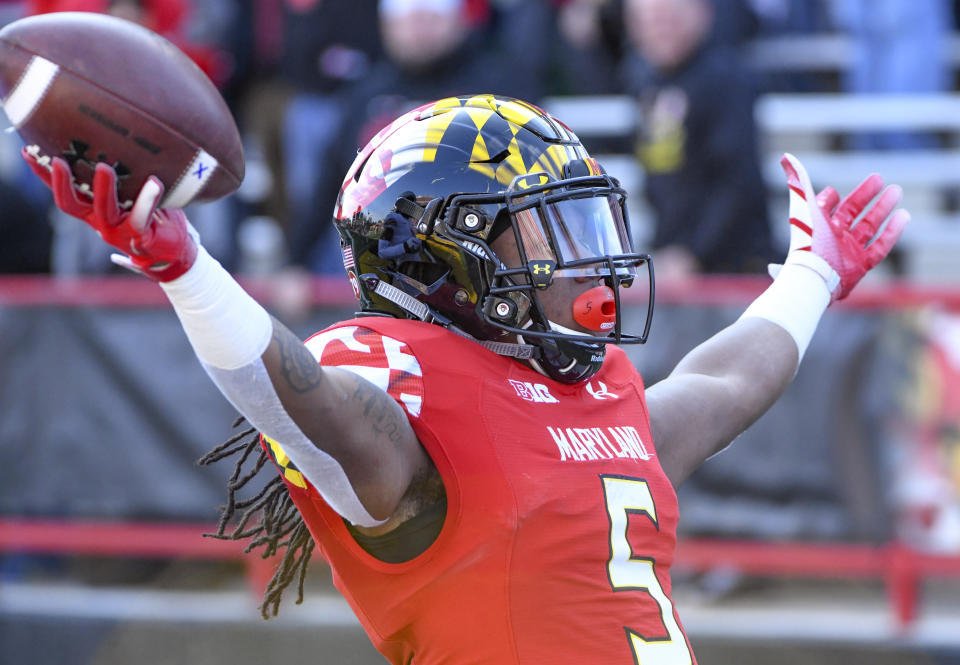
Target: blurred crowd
x=310 y=81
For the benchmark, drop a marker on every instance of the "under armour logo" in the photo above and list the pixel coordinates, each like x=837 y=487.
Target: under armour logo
x=601 y=391
x=541 y=272
x=530 y=180
x=201 y=168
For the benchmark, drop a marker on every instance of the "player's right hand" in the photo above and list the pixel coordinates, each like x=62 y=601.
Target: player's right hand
x=160 y=244
x=838 y=239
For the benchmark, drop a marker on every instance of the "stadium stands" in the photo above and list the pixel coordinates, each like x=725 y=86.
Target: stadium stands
x=809 y=125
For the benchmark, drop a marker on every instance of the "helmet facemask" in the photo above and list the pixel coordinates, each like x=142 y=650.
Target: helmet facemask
x=574 y=228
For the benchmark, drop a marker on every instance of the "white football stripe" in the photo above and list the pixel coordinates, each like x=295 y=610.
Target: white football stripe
x=192 y=180
x=30 y=89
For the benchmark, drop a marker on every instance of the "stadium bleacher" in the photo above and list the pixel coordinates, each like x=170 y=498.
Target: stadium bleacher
x=808 y=124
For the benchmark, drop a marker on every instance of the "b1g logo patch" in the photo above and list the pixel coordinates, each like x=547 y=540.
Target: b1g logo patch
x=533 y=392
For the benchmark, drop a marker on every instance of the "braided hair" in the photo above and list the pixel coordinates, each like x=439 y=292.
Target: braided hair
x=279 y=524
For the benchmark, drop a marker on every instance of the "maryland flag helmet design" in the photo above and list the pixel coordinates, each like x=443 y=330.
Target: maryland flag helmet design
x=424 y=199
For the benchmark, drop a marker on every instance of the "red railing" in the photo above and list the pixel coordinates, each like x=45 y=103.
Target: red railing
x=900 y=568
x=148 y=540
x=132 y=291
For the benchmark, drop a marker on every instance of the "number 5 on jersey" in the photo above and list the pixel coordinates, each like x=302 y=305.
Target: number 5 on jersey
x=623 y=496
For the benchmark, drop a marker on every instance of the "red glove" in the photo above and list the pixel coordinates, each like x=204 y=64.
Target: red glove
x=160 y=244
x=824 y=237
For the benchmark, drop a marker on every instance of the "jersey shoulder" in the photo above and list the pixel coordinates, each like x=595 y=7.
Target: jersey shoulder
x=618 y=367
x=386 y=361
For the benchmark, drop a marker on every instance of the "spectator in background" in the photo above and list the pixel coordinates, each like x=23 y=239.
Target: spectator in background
x=26 y=232
x=77 y=250
x=24 y=224
x=309 y=53
x=697 y=142
x=166 y=17
x=523 y=33
x=899 y=47
x=449 y=57
x=590 y=44
x=327 y=48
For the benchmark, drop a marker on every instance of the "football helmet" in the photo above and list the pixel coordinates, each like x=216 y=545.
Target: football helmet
x=425 y=199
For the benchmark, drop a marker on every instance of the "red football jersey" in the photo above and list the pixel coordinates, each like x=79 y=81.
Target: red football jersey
x=560 y=526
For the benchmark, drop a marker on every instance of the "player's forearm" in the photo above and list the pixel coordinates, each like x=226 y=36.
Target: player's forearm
x=717 y=391
x=755 y=359
x=795 y=302
x=747 y=351
x=765 y=354
x=742 y=370
x=226 y=327
x=722 y=386
x=231 y=333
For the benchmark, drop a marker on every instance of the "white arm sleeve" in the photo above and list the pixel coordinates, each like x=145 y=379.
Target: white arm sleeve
x=795 y=301
x=229 y=331
x=250 y=390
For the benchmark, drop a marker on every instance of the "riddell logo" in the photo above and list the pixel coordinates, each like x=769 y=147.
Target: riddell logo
x=533 y=392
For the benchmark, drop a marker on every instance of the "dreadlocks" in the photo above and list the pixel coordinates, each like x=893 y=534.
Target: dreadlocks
x=280 y=523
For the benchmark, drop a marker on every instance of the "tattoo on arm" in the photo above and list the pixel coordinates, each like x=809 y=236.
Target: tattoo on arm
x=298 y=366
x=302 y=373
x=379 y=410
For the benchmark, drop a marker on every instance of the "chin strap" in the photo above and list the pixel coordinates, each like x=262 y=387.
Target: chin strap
x=539 y=368
x=410 y=304
x=403 y=300
x=518 y=351
x=563 y=355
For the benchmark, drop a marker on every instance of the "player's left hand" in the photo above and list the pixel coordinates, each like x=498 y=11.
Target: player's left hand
x=839 y=240
x=160 y=244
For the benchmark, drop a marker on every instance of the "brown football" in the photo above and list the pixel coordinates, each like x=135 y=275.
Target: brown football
x=94 y=88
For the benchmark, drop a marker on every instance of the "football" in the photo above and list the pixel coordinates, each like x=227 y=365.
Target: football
x=95 y=88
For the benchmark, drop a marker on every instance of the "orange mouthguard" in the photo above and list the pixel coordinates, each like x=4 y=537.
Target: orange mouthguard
x=596 y=309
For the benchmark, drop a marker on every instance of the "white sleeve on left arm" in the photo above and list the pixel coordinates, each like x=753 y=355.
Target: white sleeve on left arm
x=251 y=392
x=229 y=331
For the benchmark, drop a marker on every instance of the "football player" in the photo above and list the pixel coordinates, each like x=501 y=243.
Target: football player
x=478 y=461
